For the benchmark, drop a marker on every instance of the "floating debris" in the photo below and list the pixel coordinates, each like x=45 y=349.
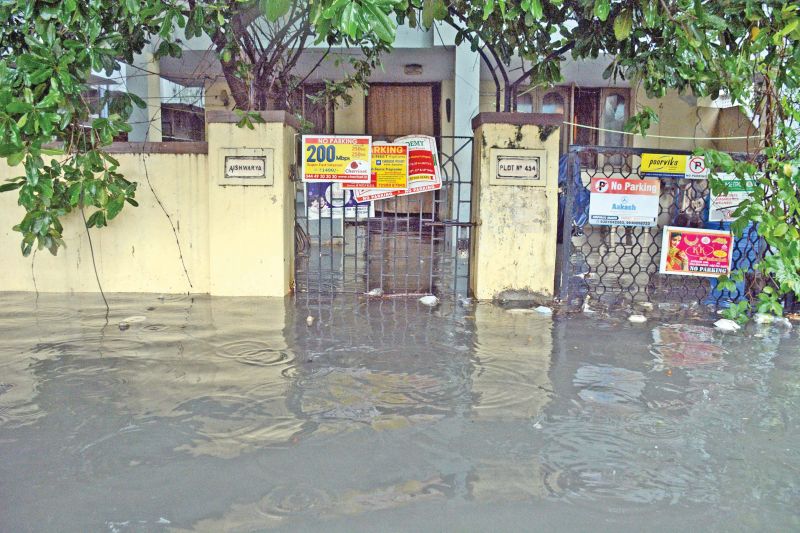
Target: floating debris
x=637 y=319
x=520 y=311
x=727 y=325
x=124 y=326
x=543 y=310
x=763 y=318
x=375 y=292
x=430 y=300
x=310 y=320
x=466 y=302
x=134 y=319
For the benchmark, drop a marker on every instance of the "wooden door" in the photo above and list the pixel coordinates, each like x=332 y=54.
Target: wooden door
x=395 y=111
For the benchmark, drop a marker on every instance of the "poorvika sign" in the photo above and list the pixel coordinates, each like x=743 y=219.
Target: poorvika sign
x=624 y=202
x=673 y=166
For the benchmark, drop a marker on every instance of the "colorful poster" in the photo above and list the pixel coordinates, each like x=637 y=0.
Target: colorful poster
x=336 y=158
x=696 y=252
x=722 y=206
x=623 y=202
x=673 y=166
x=329 y=200
x=389 y=168
x=424 y=173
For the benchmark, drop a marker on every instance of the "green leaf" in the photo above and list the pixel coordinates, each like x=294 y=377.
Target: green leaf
x=115 y=206
x=623 y=25
x=275 y=9
x=781 y=230
x=381 y=24
x=19 y=107
x=15 y=159
x=536 y=9
x=427 y=13
x=10 y=186
x=650 y=11
x=488 y=7
x=349 y=21
x=601 y=9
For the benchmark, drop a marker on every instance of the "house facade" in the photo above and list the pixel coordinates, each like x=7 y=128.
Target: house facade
x=429 y=86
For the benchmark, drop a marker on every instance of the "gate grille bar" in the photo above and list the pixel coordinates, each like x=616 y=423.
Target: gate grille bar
x=617 y=265
x=416 y=244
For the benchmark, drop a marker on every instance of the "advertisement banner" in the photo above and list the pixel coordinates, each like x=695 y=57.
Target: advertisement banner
x=696 y=252
x=722 y=206
x=673 y=166
x=329 y=200
x=336 y=158
x=623 y=202
x=424 y=173
x=389 y=168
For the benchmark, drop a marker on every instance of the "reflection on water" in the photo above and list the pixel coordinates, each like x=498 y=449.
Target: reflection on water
x=217 y=414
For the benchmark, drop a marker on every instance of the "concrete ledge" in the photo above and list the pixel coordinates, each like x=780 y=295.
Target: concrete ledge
x=229 y=117
x=193 y=147
x=518 y=119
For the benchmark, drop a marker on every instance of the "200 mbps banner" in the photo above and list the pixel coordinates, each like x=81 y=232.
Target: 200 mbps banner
x=696 y=252
x=337 y=158
x=424 y=173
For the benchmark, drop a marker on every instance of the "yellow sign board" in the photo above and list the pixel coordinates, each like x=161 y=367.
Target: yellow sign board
x=673 y=166
x=389 y=168
x=338 y=158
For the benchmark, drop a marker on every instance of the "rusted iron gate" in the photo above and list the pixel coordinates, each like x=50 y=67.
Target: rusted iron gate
x=618 y=265
x=410 y=245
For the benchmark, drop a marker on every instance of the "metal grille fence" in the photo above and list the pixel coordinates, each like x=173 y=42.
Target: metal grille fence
x=618 y=265
x=408 y=245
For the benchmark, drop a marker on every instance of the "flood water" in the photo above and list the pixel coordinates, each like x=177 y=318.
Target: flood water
x=216 y=414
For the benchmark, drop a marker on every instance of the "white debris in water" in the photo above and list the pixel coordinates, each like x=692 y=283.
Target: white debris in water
x=430 y=300
x=586 y=309
x=310 y=320
x=763 y=318
x=377 y=291
x=520 y=311
x=544 y=310
x=134 y=319
x=466 y=302
x=124 y=326
x=727 y=325
x=637 y=319
x=162 y=520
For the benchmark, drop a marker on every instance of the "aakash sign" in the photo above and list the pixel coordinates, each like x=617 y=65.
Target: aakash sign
x=624 y=202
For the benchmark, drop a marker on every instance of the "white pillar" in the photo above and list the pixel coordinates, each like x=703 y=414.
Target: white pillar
x=143 y=80
x=466 y=106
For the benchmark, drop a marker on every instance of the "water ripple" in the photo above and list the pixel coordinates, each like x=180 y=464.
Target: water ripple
x=255 y=353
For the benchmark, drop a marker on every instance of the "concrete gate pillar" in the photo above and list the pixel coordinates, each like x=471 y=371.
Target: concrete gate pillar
x=515 y=205
x=251 y=204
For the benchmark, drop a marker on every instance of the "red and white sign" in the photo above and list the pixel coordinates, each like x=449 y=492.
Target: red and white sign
x=623 y=202
x=696 y=168
x=424 y=173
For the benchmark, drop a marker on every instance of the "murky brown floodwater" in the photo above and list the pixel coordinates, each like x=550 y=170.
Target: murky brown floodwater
x=216 y=414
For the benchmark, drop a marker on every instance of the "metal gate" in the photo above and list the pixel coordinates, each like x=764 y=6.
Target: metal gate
x=409 y=245
x=618 y=265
